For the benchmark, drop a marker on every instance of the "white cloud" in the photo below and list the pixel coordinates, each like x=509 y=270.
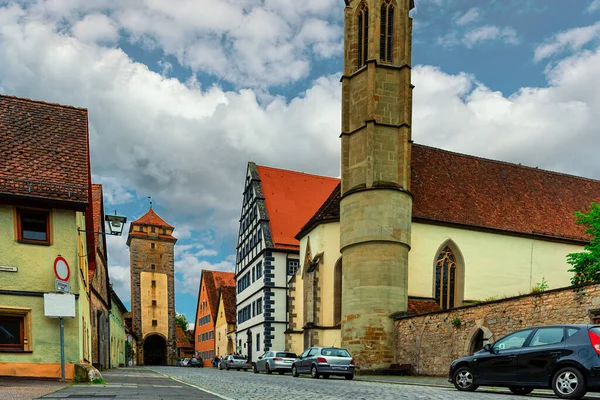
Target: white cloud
x=594 y=5
x=189 y=269
x=490 y=33
x=470 y=16
x=570 y=40
x=96 y=27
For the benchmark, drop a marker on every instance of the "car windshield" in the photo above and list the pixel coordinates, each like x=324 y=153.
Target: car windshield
x=286 y=355
x=335 y=352
x=238 y=358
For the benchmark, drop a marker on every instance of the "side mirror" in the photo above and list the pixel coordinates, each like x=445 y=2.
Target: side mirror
x=488 y=347
x=260 y=358
x=299 y=357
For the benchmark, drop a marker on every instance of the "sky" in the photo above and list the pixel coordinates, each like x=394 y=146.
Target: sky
x=183 y=93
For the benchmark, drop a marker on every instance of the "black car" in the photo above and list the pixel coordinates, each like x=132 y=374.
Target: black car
x=195 y=363
x=565 y=358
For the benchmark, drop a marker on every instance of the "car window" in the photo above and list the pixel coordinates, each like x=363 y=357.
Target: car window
x=238 y=357
x=513 y=341
x=286 y=355
x=304 y=353
x=335 y=352
x=571 y=331
x=546 y=336
x=312 y=352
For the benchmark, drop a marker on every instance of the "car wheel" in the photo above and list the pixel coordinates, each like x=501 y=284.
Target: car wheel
x=255 y=369
x=464 y=380
x=568 y=383
x=268 y=369
x=314 y=372
x=522 y=391
x=281 y=372
x=227 y=368
x=295 y=373
x=349 y=377
x=325 y=376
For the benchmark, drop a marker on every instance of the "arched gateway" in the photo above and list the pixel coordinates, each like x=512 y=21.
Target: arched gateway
x=155 y=350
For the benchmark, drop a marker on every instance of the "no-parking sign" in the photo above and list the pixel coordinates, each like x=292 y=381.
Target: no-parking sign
x=62 y=273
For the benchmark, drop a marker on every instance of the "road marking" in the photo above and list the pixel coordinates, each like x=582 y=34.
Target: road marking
x=194 y=386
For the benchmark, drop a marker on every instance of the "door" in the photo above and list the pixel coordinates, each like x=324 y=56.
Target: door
x=261 y=364
x=301 y=360
x=500 y=366
x=307 y=361
x=538 y=358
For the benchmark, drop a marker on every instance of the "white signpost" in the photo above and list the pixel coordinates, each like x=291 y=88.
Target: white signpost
x=60 y=305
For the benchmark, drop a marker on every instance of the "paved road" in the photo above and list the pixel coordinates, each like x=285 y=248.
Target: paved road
x=248 y=386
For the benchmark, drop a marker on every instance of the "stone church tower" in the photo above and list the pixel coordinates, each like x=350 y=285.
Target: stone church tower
x=152 y=267
x=376 y=204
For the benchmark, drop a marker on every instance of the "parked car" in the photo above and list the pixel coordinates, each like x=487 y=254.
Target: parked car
x=234 y=362
x=562 y=357
x=275 y=361
x=325 y=361
x=182 y=362
x=195 y=363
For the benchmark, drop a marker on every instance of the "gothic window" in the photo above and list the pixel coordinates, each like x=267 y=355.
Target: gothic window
x=337 y=292
x=363 y=34
x=445 y=279
x=387 y=30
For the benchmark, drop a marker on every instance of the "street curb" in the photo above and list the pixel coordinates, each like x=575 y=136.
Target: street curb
x=405 y=383
x=189 y=384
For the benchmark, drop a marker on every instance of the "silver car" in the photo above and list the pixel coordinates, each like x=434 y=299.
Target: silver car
x=325 y=361
x=234 y=362
x=278 y=361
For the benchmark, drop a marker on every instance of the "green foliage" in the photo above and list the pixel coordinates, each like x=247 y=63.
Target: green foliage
x=181 y=320
x=98 y=381
x=540 y=286
x=129 y=351
x=456 y=321
x=586 y=265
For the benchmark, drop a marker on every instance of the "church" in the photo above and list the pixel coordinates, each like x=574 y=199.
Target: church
x=411 y=229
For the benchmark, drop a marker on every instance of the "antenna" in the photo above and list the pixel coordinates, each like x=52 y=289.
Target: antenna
x=150 y=197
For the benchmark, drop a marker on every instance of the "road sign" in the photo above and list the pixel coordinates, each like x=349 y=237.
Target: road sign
x=61 y=286
x=61 y=269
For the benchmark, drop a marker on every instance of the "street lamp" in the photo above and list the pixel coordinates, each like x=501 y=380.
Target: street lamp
x=116 y=223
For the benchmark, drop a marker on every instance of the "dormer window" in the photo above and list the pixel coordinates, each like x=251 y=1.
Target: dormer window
x=363 y=34
x=386 y=32
x=141 y=228
x=153 y=229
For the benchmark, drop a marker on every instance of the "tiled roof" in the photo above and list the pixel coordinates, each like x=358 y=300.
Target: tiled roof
x=329 y=211
x=459 y=189
x=228 y=293
x=44 y=151
x=152 y=218
x=422 y=306
x=213 y=280
x=291 y=198
x=181 y=338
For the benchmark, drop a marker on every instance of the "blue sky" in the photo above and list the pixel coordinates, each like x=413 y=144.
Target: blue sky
x=182 y=94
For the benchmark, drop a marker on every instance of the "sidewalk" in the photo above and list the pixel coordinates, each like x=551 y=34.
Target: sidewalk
x=26 y=389
x=434 y=381
x=133 y=383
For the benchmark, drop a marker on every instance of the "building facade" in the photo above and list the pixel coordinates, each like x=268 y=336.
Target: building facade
x=118 y=331
x=276 y=203
x=211 y=283
x=42 y=215
x=152 y=268
x=225 y=323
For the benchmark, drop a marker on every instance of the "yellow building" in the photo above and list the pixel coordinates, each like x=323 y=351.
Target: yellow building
x=481 y=229
x=42 y=210
x=225 y=322
x=118 y=331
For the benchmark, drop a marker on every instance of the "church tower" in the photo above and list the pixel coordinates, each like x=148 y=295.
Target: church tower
x=152 y=268
x=376 y=204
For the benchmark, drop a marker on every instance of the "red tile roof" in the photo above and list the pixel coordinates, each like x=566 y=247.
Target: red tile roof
x=459 y=189
x=152 y=218
x=422 y=306
x=213 y=280
x=228 y=293
x=291 y=198
x=182 y=340
x=44 y=151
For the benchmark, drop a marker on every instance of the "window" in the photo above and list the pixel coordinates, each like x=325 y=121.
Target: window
x=259 y=308
x=386 y=32
x=164 y=231
x=12 y=332
x=244 y=314
x=153 y=230
x=293 y=266
x=546 y=336
x=513 y=341
x=33 y=226
x=312 y=352
x=153 y=266
x=243 y=282
x=153 y=283
x=445 y=279
x=141 y=228
x=153 y=303
x=258 y=342
x=154 y=322
x=571 y=331
x=363 y=34
x=152 y=245
x=253 y=274
x=259 y=270
x=337 y=292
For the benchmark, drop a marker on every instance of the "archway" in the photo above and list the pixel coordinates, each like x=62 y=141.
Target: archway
x=155 y=350
x=477 y=342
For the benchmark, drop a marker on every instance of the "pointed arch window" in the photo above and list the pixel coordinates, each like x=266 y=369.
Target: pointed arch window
x=363 y=34
x=386 y=31
x=446 y=277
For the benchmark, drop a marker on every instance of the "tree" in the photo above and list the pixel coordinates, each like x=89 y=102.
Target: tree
x=586 y=265
x=181 y=320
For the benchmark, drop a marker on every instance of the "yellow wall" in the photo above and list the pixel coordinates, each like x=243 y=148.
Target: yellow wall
x=222 y=329
x=495 y=265
x=35 y=273
x=118 y=337
x=160 y=312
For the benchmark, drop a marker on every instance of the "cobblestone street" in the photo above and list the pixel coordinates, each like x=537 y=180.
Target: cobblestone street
x=249 y=386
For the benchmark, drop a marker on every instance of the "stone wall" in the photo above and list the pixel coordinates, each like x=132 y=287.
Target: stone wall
x=430 y=342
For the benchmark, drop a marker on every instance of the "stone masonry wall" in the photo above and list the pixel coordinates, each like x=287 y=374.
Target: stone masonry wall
x=432 y=341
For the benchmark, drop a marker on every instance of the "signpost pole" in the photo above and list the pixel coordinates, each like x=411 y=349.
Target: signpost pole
x=62 y=350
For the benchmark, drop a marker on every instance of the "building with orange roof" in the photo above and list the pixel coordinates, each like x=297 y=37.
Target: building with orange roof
x=276 y=204
x=152 y=268
x=225 y=322
x=211 y=283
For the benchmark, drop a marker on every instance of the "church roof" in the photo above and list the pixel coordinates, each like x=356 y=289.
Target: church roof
x=291 y=198
x=152 y=218
x=228 y=294
x=213 y=281
x=464 y=190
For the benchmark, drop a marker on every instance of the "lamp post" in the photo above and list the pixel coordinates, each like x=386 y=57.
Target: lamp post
x=116 y=223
